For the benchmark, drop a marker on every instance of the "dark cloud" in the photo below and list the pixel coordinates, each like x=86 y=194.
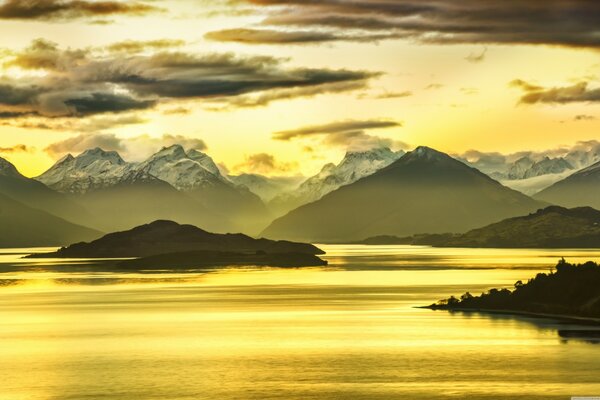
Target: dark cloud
x=434 y=86
x=98 y=103
x=570 y=23
x=71 y=9
x=83 y=83
x=584 y=117
x=19 y=148
x=135 y=46
x=335 y=127
x=273 y=36
x=385 y=95
x=349 y=134
x=577 y=93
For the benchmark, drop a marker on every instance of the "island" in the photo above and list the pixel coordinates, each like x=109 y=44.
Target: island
x=550 y=227
x=168 y=244
x=570 y=291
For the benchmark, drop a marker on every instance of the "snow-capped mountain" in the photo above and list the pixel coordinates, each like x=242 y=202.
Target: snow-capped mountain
x=525 y=167
x=183 y=171
x=354 y=166
x=93 y=169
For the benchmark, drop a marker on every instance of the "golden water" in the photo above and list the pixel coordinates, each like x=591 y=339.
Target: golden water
x=348 y=331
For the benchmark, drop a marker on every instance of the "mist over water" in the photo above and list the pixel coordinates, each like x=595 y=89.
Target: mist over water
x=346 y=331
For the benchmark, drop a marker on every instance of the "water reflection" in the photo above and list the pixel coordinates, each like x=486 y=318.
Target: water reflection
x=71 y=331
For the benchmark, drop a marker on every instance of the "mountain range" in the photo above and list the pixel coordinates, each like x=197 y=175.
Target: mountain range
x=171 y=184
x=425 y=191
x=354 y=166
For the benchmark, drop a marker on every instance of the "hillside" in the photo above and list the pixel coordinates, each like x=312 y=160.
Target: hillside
x=23 y=226
x=571 y=291
x=425 y=191
x=579 y=189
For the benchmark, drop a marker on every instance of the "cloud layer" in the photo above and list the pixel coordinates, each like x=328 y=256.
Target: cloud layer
x=553 y=22
x=80 y=83
x=71 y=9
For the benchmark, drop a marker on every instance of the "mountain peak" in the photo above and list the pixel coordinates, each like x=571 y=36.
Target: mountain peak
x=173 y=152
x=426 y=153
x=99 y=154
x=8 y=169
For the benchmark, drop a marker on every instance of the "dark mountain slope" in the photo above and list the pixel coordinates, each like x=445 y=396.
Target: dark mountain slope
x=23 y=226
x=425 y=191
x=577 y=190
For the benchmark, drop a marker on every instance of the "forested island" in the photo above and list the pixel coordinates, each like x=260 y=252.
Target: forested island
x=570 y=290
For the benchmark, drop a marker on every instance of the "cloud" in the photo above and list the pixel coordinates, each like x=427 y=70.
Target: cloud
x=553 y=22
x=272 y=36
x=134 y=148
x=477 y=58
x=78 y=83
x=71 y=9
x=335 y=127
x=434 y=86
x=135 y=46
x=385 y=95
x=19 y=148
x=577 y=93
x=264 y=163
x=584 y=117
x=348 y=134
x=490 y=162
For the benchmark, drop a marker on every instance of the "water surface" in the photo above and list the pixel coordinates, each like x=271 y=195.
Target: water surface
x=348 y=331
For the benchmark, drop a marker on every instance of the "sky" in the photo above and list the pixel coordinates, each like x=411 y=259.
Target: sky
x=282 y=87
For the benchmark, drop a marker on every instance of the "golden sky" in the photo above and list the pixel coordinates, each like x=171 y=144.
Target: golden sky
x=227 y=76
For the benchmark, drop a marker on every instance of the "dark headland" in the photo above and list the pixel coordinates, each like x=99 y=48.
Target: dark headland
x=551 y=227
x=167 y=244
x=572 y=291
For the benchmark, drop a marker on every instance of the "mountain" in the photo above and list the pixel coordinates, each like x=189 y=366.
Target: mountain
x=163 y=237
x=266 y=187
x=579 y=189
x=354 y=166
x=138 y=197
x=531 y=186
x=91 y=170
x=24 y=226
x=525 y=167
x=200 y=179
x=171 y=184
x=37 y=195
x=551 y=227
x=425 y=191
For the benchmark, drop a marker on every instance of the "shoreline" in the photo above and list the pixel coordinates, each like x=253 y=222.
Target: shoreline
x=518 y=313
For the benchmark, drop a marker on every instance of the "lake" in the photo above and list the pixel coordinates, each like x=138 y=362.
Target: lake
x=347 y=331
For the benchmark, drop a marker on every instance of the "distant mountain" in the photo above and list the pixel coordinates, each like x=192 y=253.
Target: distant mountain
x=354 y=166
x=91 y=170
x=171 y=184
x=579 y=189
x=550 y=227
x=198 y=177
x=265 y=187
x=24 y=226
x=37 y=195
x=139 y=196
x=163 y=237
x=425 y=191
x=525 y=167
